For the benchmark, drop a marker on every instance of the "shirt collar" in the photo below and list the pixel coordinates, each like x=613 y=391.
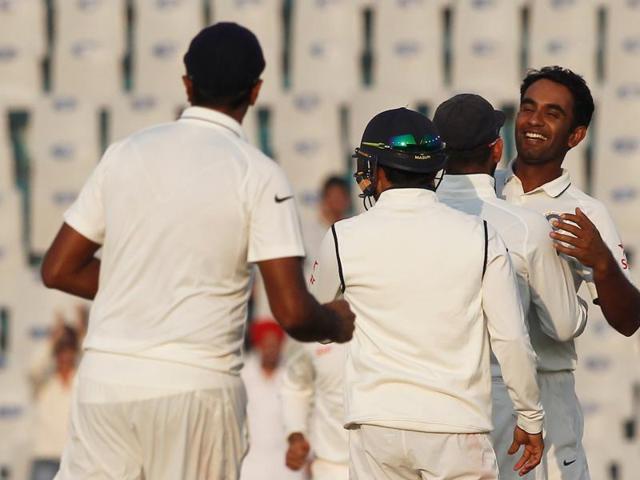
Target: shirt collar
x=554 y=188
x=406 y=197
x=214 y=117
x=467 y=186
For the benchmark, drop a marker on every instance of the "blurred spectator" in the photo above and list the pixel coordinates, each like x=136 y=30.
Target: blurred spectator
x=43 y=365
x=262 y=375
x=52 y=405
x=335 y=204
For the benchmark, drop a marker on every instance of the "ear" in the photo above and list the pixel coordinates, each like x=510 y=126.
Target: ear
x=381 y=182
x=577 y=136
x=496 y=151
x=255 y=91
x=188 y=86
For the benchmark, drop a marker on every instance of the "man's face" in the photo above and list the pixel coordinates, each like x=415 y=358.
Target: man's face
x=543 y=123
x=270 y=347
x=337 y=201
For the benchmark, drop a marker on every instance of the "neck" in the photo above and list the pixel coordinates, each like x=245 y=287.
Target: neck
x=66 y=375
x=268 y=370
x=329 y=217
x=467 y=171
x=237 y=114
x=534 y=176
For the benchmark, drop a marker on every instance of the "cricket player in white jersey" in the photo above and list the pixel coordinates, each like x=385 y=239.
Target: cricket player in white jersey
x=181 y=211
x=555 y=111
x=433 y=290
x=313 y=408
x=470 y=127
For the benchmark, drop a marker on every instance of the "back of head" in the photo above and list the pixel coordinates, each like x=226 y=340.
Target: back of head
x=224 y=62
x=469 y=126
x=582 y=100
x=405 y=144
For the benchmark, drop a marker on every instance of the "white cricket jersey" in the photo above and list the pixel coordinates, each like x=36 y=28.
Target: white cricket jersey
x=545 y=281
x=551 y=200
x=181 y=210
x=313 y=399
x=426 y=316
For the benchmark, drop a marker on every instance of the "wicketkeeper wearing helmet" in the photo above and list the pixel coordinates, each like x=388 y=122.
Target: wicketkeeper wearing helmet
x=433 y=290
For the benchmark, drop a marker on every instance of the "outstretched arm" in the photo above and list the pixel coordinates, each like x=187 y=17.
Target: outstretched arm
x=297 y=310
x=618 y=298
x=512 y=348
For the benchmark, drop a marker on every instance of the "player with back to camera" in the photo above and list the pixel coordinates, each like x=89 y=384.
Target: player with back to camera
x=470 y=127
x=181 y=211
x=555 y=111
x=433 y=290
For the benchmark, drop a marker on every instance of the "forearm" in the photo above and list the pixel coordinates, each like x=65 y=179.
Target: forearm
x=297 y=392
x=310 y=321
x=618 y=298
x=82 y=282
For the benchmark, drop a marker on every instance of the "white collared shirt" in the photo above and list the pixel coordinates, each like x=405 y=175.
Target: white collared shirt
x=551 y=200
x=181 y=210
x=426 y=317
x=312 y=399
x=546 y=285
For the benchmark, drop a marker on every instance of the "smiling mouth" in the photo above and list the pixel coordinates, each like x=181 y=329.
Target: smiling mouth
x=538 y=137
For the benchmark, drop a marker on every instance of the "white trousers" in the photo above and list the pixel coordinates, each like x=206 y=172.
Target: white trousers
x=193 y=434
x=564 y=457
x=393 y=454
x=325 y=470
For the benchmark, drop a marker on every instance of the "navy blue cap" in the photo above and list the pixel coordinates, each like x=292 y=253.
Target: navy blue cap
x=224 y=59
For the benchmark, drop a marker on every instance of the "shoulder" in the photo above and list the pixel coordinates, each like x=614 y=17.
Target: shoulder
x=458 y=217
x=531 y=222
x=592 y=207
x=152 y=133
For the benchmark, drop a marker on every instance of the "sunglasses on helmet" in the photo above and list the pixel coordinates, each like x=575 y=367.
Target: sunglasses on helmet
x=407 y=142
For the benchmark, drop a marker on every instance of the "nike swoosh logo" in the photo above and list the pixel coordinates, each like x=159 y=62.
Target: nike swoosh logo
x=281 y=199
x=566 y=464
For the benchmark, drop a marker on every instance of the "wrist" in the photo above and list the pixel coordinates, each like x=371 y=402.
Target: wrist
x=605 y=267
x=295 y=437
x=330 y=324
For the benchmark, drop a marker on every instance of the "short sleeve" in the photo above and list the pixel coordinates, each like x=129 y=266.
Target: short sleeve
x=274 y=226
x=86 y=215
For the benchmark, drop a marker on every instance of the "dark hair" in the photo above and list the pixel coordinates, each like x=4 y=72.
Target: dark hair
x=462 y=160
x=224 y=62
x=201 y=97
x=334 y=181
x=582 y=99
x=404 y=179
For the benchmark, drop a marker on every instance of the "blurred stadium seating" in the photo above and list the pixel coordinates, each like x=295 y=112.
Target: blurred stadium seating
x=77 y=75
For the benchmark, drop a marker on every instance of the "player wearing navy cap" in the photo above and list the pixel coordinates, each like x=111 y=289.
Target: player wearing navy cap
x=181 y=211
x=471 y=128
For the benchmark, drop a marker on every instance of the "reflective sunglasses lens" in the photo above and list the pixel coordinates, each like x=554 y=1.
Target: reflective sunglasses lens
x=403 y=141
x=431 y=143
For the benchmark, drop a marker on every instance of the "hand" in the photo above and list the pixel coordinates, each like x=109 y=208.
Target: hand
x=533 y=448
x=297 y=452
x=587 y=246
x=346 y=320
